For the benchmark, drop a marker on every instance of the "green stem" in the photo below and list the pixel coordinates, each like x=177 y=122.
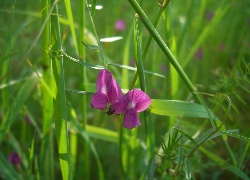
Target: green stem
x=47 y=152
x=96 y=35
x=59 y=98
x=169 y=54
x=164 y=48
x=147 y=46
x=83 y=76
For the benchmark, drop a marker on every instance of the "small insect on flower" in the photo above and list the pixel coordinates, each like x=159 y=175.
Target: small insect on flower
x=108 y=91
x=131 y=103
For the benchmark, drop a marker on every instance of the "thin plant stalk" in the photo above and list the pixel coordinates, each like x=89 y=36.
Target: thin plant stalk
x=169 y=54
x=59 y=98
x=161 y=10
x=96 y=35
x=82 y=55
x=47 y=154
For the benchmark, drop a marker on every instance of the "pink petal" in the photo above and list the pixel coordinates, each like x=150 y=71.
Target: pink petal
x=140 y=99
x=99 y=101
x=120 y=106
x=107 y=85
x=131 y=119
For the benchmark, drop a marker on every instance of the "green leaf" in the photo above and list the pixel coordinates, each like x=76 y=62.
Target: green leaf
x=93 y=47
x=93 y=7
x=103 y=134
x=3 y=58
x=20 y=99
x=187 y=169
x=178 y=108
x=186 y=135
x=31 y=157
x=221 y=162
x=71 y=22
x=229 y=133
x=134 y=69
x=59 y=100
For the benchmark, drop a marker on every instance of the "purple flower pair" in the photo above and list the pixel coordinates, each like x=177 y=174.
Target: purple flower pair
x=108 y=91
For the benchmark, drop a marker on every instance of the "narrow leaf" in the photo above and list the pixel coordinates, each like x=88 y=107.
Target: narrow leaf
x=187 y=169
x=178 y=108
x=186 y=135
x=93 y=47
x=20 y=99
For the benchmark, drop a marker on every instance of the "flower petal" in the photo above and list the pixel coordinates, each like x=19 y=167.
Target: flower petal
x=107 y=85
x=140 y=99
x=131 y=119
x=120 y=106
x=99 y=101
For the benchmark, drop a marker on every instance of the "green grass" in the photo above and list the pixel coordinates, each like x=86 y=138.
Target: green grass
x=190 y=57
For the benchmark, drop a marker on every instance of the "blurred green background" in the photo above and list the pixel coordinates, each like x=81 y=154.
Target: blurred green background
x=210 y=39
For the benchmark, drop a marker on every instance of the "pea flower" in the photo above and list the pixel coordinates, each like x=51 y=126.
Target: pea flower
x=108 y=91
x=199 y=54
x=120 y=25
x=14 y=158
x=132 y=102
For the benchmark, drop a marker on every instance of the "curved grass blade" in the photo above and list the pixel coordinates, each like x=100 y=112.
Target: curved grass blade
x=20 y=99
x=135 y=69
x=186 y=135
x=7 y=170
x=6 y=57
x=93 y=47
x=178 y=108
x=187 y=169
x=71 y=23
x=223 y=163
x=79 y=92
x=59 y=99
x=83 y=63
x=85 y=136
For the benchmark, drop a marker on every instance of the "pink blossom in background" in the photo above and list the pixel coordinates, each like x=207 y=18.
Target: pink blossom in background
x=209 y=15
x=199 y=54
x=27 y=119
x=120 y=25
x=131 y=103
x=132 y=62
x=108 y=91
x=164 y=68
x=222 y=47
x=14 y=158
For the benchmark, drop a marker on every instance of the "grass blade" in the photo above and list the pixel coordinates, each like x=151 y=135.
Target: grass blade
x=7 y=170
x=71 y=23
x=224 y=164
x=178 y=108
x=59 y=99
x=20 y=99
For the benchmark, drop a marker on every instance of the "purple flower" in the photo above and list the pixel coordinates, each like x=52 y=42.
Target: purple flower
x=108 y=91
x=132 y=102
x=120 y=25
x=14 y=158
x=199 y=54
x=209 y=15
x=27 y=119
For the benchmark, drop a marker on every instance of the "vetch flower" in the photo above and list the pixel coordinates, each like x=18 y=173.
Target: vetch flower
x=199 y=54
x=131 y=103
x=108 y=91
x=120 y=25
x=14 y=158
x=27 y=119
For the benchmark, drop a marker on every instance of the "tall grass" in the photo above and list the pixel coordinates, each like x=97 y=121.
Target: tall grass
x=190 y=57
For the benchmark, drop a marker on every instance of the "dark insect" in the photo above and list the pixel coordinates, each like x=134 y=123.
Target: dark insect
x=110 y=112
